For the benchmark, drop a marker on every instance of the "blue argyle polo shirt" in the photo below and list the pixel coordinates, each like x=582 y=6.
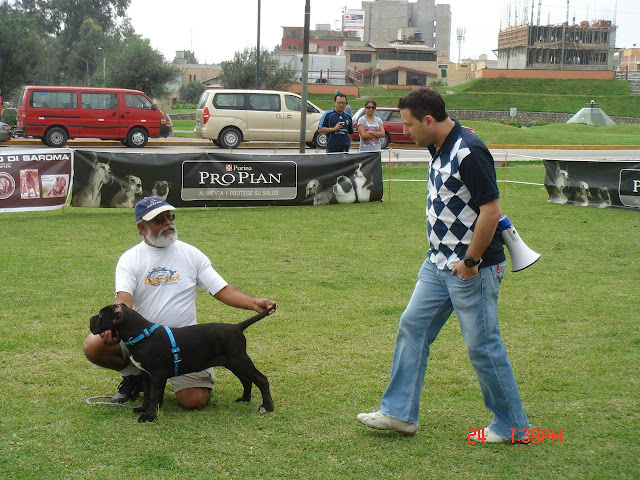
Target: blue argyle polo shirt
x=462 y=177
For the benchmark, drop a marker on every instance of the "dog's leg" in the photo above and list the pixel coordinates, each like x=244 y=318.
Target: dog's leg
x=246 y=393
x=146 y=384
x=157 y=385
x=243 y=368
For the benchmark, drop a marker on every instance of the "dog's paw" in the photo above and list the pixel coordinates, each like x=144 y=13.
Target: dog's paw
x=265 y=409
x=243 y=399
x=146 y=417
x=140 y=408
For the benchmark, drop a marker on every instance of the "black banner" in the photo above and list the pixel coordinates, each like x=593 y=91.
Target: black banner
x=34 y=180
x=597 y=184
x=107 y=179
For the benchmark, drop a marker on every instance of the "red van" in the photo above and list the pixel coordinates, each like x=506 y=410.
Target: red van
x=55 y=114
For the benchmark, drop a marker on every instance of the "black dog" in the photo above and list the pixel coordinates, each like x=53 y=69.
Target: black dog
x=195 y=348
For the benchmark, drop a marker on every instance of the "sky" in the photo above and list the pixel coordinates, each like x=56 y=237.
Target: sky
x=214 y=30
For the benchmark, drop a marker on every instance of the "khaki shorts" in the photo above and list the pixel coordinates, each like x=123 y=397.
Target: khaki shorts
x=203 y=378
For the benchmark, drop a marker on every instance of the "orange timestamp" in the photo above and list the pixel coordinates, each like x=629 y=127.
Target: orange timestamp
x=523 y=435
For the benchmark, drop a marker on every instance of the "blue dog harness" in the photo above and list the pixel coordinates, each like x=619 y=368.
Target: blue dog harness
x=175 y=350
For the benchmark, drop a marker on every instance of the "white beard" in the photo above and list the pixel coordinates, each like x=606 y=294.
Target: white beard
x=160 y=240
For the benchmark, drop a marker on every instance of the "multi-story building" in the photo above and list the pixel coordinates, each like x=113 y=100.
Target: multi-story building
x=384 y=18
x=322 y=40
x=558 y=47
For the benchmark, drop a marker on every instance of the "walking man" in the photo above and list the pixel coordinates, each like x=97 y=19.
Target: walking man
x=462 y=272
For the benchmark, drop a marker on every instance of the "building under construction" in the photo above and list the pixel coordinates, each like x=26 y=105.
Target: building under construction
x=558 y=47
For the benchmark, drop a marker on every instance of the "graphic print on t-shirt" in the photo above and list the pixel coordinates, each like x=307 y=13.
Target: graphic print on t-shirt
x=161 y=276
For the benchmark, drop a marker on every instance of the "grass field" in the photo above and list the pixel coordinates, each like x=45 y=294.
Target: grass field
x=342 y=275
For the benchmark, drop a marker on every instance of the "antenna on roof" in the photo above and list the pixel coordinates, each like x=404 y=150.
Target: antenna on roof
x=461 y=36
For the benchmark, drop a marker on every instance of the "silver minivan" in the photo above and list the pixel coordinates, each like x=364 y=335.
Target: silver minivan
x=230 y=117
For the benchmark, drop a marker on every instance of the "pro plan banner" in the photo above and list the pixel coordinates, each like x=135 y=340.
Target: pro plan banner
x=598 y=184
x=35 y=179
x=119 y=180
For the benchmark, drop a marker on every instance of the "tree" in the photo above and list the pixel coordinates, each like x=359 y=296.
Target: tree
x=241 y=71
x=84 y=52
x=191 y=92
x=22 y=49
x=137 y=65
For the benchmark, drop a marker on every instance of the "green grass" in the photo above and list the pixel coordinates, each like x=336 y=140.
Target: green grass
x=342 y=275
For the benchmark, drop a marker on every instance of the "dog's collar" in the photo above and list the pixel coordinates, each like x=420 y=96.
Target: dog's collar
x=145 y=333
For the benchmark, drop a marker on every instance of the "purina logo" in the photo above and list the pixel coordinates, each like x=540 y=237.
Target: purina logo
x=229 y=167
x=629 y=187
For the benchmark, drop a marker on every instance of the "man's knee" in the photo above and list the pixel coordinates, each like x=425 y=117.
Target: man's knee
x=193 y=398
x=92 y=346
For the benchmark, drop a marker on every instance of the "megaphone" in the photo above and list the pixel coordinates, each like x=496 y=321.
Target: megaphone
x=521 y=255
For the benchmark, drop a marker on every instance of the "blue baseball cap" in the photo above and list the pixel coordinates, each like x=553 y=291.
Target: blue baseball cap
x=149 y=207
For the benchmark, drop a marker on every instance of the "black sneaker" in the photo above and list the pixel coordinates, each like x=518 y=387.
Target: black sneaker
x=129 y=389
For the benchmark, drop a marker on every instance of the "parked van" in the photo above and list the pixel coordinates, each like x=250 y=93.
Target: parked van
x=55 y=114
x=230 y=117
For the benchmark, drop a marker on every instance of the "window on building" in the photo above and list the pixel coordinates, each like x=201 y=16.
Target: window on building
x=332 y=48
x=414 y=78
x=360 y=58
x=389 y=78
x=292 y=47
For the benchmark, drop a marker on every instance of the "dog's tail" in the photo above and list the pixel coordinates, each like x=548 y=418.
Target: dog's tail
x=250 y=321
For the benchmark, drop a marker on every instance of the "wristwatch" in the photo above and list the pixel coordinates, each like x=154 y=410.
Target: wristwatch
x=471 y=262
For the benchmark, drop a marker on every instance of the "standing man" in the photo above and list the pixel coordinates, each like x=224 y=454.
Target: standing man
x=462 y=272
x=158 y=278
x=338 y=125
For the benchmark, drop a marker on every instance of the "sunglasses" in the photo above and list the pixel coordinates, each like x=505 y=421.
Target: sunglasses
x=160 y=219
x=370 y=108
x=341 y=103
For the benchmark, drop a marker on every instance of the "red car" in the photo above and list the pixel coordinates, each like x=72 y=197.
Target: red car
x=392 y=124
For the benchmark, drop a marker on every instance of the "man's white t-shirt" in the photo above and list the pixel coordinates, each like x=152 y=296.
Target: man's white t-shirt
x=163 y=281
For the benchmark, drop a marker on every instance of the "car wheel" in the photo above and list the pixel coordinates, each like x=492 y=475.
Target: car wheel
x=137 y=137
x=230 y=137
x=320 y=140
x=385 y=141
x=56 y=137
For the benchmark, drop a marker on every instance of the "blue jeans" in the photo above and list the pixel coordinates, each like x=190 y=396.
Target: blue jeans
x=437 y=294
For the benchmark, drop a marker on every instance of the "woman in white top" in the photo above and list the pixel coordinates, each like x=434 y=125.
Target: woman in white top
x=370 y=128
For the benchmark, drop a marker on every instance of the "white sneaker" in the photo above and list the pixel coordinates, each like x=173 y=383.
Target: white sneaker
x=486 y=435
x=382 y=421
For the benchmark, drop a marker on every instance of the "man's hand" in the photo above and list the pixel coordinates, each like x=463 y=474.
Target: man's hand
x=464 y=272
x=108 y=339
x=263 y=304
x=337 y=127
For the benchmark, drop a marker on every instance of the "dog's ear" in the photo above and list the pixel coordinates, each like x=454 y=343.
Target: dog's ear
x=118 y=313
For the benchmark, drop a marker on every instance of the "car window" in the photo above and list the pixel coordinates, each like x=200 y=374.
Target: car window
x=229 y=101
x=264 y=101
x=394 y=116
x=203 y=99
x=133 y=100
x=44 y=99
x=99 y=101
x=293 y=103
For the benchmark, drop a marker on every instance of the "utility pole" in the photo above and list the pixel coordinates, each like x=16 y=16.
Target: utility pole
x=305 y=76
x=104 y=67
x=258 y=52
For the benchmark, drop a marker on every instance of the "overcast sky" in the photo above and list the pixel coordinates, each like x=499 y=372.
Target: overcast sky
x=215 y=30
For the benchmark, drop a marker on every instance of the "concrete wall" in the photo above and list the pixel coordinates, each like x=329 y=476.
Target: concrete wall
x=475 y=115
x=551 y=74
x=524 y=117
x=348 y=90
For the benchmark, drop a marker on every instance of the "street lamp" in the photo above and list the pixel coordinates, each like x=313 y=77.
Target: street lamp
x=104 y=67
